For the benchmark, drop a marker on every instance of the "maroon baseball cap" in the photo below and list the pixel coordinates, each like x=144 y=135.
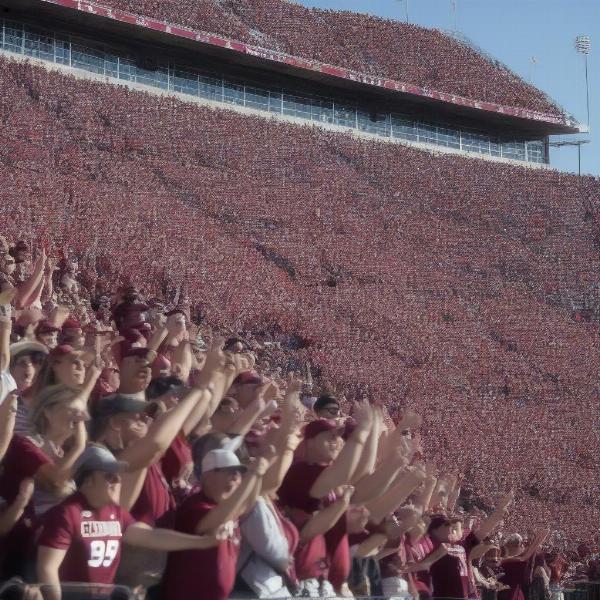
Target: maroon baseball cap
x=66 y=350
x=139 y=352
x=247 y=377
x=314 y=428
x=71 y=324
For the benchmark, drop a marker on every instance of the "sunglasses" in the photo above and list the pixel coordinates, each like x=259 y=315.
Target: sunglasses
x=112 y=477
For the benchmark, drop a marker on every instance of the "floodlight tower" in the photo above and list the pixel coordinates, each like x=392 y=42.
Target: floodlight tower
x=583 y=45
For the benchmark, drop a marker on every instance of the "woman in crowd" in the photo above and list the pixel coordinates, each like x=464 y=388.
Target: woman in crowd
x=58 y=436
x=516 y=565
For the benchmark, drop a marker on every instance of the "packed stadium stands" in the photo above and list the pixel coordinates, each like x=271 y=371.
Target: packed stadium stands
x=446 y=284
x=364 y=43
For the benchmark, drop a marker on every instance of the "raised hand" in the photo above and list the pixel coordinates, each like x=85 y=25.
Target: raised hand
x=363 y=416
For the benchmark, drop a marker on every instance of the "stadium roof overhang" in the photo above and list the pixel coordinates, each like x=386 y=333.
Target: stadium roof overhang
x=90 y=15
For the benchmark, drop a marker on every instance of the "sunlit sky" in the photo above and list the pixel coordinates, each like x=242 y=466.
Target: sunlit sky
x=535 y=38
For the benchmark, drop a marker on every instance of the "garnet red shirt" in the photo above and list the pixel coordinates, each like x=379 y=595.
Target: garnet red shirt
x=210 y=572
x=176 y=457
x=450 y=574
x=23 y=459
x=294 y=494
x=91 y=537
x=155 y=505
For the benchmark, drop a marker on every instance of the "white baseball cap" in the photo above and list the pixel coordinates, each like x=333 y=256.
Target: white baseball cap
x=221 y=459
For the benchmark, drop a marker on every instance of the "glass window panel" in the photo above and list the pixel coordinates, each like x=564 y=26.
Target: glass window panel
x=210 y=88
x=535 y=151
x=344 y=115
x=495 y=148
x=514 y=150
x=39 y=45
x=427 y=133
x=185 y=83
x=275 y=102
x=448 y=137
x=404 y=128
x=257 y=98
x=472 y=142
x=234 y=93
x=87 y=59
x=322 y=111
x=126 y=69
x=373 y=123
x=62 y=52
x=111 y=65
x=297 y=106
x=154 y=77
x=13 y=37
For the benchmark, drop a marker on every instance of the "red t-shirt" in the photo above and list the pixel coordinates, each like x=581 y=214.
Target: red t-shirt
x=334 y=564
x=23 y=459
x=397 y=559
x=155 y=505
x=176 y=457
x=91 y=537
x=414 y=553
x=450 y=575
x=212 y=570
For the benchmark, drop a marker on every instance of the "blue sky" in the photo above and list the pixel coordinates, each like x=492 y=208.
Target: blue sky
x=514 y=31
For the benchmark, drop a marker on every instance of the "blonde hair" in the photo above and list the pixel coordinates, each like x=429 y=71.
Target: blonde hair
x=49 y=396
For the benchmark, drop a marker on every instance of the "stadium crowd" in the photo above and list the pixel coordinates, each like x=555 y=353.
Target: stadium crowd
x=364 y=43
x=141 y=448
x=306 y=253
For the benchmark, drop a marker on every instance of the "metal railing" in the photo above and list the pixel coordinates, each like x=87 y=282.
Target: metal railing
x=83 y=54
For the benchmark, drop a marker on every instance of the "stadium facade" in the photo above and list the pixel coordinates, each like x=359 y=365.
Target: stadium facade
x=130 y=49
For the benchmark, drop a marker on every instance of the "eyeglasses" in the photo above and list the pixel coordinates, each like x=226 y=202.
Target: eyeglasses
x=333 y=410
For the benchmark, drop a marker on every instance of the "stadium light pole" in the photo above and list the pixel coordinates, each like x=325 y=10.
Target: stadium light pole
x=577 y=143
x=583 y=45
x=405 y=9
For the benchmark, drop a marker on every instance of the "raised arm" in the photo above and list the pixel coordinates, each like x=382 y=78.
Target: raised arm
x=425 y=564
x=342 y=469
x=368 y=457
x=52 y=475
x=371 y=546
x=423 y=499
x=539 y=539
x=13 y=512
x=325 y=519
x=231 y=508
x=163 y=431
x=27 y=289
x=486 y=527
x=378 y=482
x=395 y=496
x=287 y=439
x=5 y=329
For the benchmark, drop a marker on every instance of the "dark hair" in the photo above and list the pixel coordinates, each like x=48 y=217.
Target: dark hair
x=159 y=386
x=81 y=477
x=232 y=341
x=325 y=400
x=36 y=357
x=96 y=426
